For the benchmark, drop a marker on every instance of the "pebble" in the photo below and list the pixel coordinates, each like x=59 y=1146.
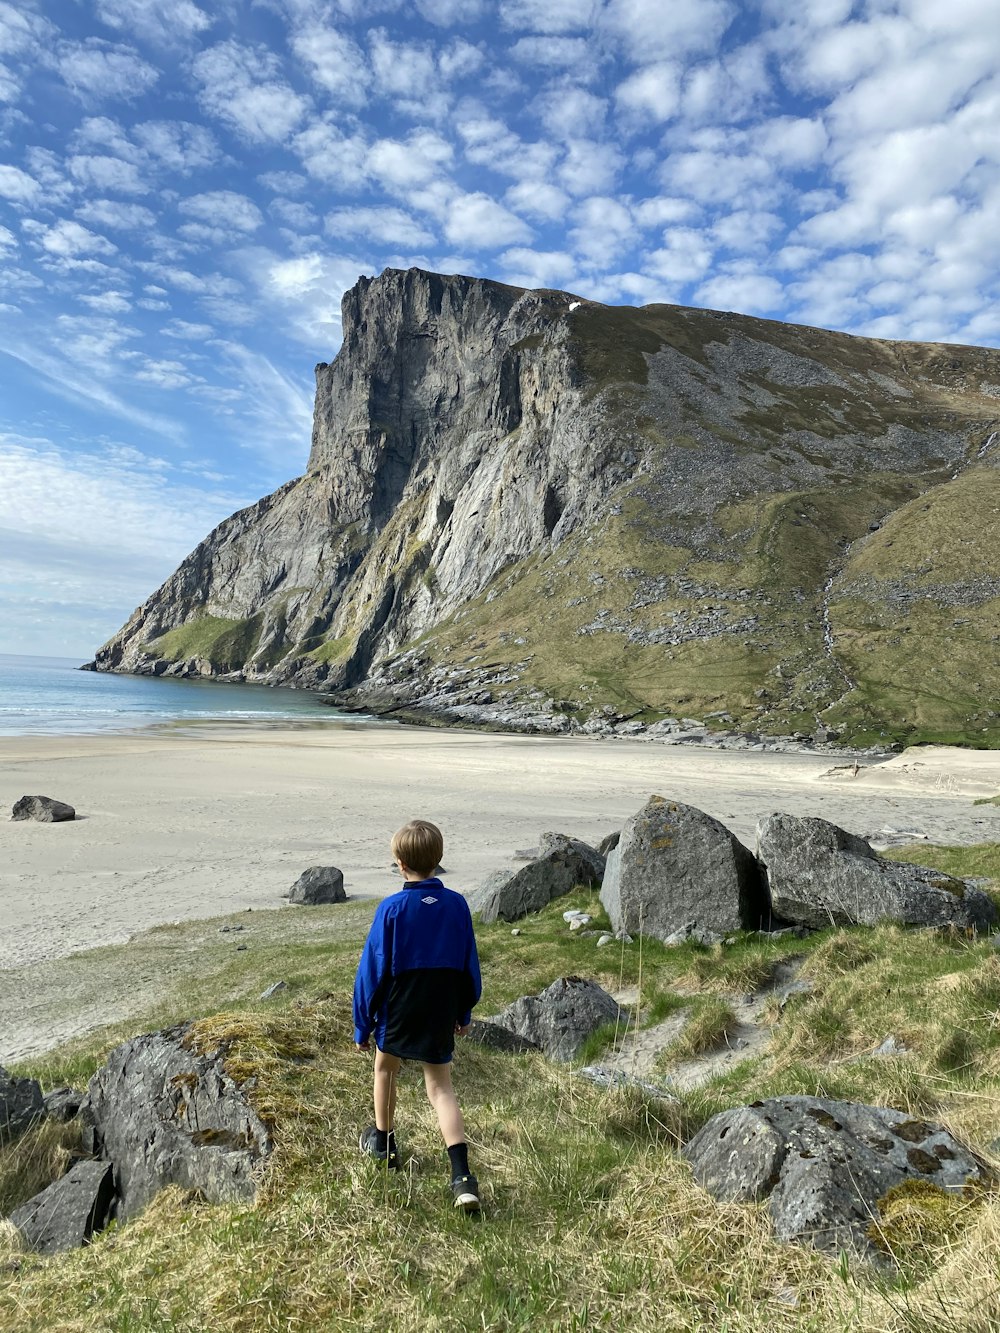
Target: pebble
x=605 y=939
x=515 y=931
x=580 y=920
x=274 y=988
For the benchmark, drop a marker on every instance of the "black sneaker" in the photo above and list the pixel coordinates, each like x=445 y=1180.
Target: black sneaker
x=465 y=1190
x=368 y=1143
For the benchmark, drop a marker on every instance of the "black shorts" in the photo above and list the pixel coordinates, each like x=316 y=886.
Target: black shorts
x=421 y=1010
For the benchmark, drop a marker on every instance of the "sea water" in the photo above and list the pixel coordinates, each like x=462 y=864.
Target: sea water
x=52 y=696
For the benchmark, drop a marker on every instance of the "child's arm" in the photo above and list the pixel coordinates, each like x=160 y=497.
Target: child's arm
x=372 y=974
x=473 y=978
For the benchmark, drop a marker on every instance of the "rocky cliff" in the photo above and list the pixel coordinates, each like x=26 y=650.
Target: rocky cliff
x=525 y=507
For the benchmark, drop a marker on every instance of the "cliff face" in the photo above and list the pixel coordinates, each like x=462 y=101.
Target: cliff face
x=515 y=498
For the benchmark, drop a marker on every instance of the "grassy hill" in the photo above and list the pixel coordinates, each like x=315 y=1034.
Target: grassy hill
x=591 y=1218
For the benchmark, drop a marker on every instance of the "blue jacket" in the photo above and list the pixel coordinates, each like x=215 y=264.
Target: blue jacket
x=423 y=926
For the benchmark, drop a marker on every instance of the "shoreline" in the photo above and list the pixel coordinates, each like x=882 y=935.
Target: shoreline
x=177 y=825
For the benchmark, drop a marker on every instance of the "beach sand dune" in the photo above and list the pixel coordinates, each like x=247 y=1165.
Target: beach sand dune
x=216 y=820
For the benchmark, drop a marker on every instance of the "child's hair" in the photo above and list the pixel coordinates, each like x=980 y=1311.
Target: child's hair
x=419 y=846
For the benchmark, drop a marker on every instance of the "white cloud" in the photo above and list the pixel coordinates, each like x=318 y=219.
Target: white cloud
x=477 y=222
x=652 y=30
x=538 y=199
x=389 y=226
x=604 y=230
x=589 y=167
x=100 y=172
x=69 y=238
x=298 y=216
x=403 y=69
x=460 y=60
x=117 y=214
x=17 y=186
x=570 y=112
x=335 y=62
x=660 y=211
x=105 y=133
x=177 y=145
x=791 y=142
x=746 y=231
x=401 y=165
x=652 y=93
x=96 y=70
x=549 y=15
x=184 y=329
x=684 y=257
x=537 y=268
x=330 y=155
x=108 y=303
x=156 y=20
x=223 y=209
x=283 y=182
x=305 y=292
x=446 y=13
x=744 y=290
x=243 y=87
x=561 y=53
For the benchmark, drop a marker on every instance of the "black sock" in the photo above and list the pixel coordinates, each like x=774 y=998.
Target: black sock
x=458 y=1155
x=382 y=1137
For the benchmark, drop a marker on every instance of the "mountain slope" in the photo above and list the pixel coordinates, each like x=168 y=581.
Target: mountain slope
x=521 y=506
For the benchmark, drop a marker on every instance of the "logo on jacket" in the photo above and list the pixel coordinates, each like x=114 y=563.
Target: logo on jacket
x=428 y=899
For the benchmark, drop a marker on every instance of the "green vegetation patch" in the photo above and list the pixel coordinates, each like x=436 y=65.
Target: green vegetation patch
x=226 y=644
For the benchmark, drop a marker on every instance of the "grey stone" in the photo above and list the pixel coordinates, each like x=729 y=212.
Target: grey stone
x=690 y=932
x=318 y=884
x=21 y=1105
x=890 y=1046
x=824 y=1165
x=675 y=866
x=618 y=1078
x=63 y=1103
x=562 y=865
x=497 y=1038
x=68 y=1213
x=609 y=842
x=605 y=939
x=275 y=988
x=820 y=875
x=562 y=1017
x=44 y=809
x=168 y=1116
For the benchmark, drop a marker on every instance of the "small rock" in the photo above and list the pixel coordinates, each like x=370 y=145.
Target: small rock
x=580 y=920
x=66 y=1214
x=515 y=931
x=618 y=1078
x=890 y=1046
x=624 y=936
x=274 y=989
x=44 y=809
x=318 y=884
x=63 y=1104
x=225 y=930
x=605 y=939
x=21 y=1105
x=572 y=914
x=241 y=948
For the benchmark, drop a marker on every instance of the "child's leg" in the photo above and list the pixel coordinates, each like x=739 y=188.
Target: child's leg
x=441 y=1095
x=386 y=1070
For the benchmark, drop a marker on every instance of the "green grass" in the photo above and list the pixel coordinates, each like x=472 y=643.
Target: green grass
x=591 y=1217
x=227 y=644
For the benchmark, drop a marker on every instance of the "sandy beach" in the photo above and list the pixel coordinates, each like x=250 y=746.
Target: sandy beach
x=209 y=821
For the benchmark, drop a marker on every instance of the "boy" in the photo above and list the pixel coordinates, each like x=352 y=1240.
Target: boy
x=417 y=982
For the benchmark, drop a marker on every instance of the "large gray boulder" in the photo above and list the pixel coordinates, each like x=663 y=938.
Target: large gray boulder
x=45 y=809
x=21 y=1105
x=68 y=1212
x=562 y=1017
x=677 y=868
x=318 y=884
x=824 y=1165
x=819 y=875
x=562 y=864
x=165 y=1115
x=495 y=1038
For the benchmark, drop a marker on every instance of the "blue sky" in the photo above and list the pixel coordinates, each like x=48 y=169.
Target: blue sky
x=188 y=186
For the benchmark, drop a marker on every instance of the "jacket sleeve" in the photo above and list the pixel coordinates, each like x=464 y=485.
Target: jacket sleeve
x=473 y=977
x=372 y=975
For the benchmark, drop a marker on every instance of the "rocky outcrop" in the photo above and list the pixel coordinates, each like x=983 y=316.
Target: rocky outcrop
x=496 y=474
x=70 y=1211
x=44 y=809
x=677 y=868
x=562 y=1017
x=819 y=875
x=318 y=884
x=823 y=1166
x=562 y=864
x=21 y=1105
x=166 y=1115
